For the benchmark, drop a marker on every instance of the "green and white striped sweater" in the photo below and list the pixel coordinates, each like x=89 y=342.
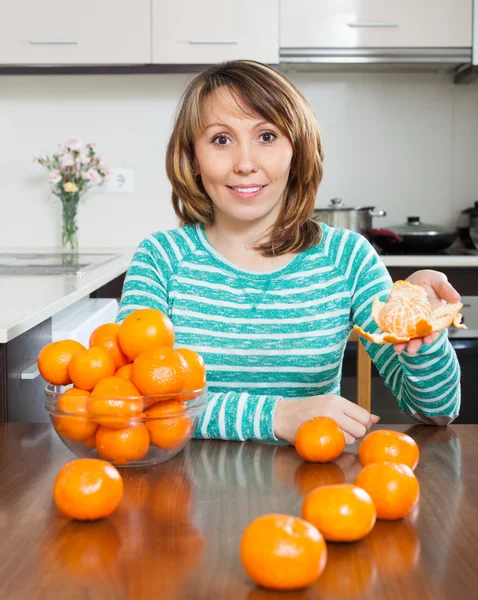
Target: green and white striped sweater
x=281 y=334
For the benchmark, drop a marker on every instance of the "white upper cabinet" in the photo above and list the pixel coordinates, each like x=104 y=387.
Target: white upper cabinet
x=375 y=23
x=62 y=32
x=210 y=31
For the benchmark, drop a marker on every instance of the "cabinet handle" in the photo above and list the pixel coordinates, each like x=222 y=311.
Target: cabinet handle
x=378 y=24
x=31 y=372
x=213 y=41
x=54 y=42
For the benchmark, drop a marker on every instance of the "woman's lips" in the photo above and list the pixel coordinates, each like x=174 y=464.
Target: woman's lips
x=248 y=192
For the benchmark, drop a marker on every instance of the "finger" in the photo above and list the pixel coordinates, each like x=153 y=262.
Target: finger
x=375 y=419
x=414 y=345
x=352 y=427
x=446 y=291
x=429 y=339
x=349 y=439
x=399 y=348
x=357 y=413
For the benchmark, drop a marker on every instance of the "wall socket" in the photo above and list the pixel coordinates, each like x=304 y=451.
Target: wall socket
x=119 y=180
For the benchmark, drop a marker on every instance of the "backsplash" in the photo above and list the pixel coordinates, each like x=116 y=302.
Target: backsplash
x=406 y=143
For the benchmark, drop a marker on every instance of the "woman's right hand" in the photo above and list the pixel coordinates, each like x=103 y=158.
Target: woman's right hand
x=354 y=420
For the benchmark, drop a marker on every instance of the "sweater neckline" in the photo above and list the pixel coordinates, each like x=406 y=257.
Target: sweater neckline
x=224 y=263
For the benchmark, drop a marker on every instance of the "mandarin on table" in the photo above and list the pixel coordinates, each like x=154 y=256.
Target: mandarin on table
x=115 y=402
x=106 y=336
x=78 y=426
x=122 y=446
x=126 y=372
x=144 y=329
x=384 y=445
x=393 y=488
x=341 y=512
x=88 y=489
x=166 y=429
x=282 y=552
x=87 y=367
x=319 y=440
x=54 y=358
x=161 y=370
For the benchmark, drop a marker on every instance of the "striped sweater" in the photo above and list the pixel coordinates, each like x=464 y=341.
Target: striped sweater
x=282 y=333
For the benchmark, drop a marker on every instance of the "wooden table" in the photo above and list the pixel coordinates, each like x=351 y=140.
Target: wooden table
x=176 y=533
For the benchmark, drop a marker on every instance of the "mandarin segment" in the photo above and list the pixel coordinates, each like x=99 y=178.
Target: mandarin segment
x=393 y=488
x=87 y=367
x=106 y=336
x=78 y=426
x=408 y=314
x=385 y=445
x=144 y=329
x=54 y=358
x=319 y=440
x=342 y=512
x=282 y=552
x=88 y=489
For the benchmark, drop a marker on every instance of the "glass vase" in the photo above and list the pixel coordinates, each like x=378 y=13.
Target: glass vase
x=69 y=234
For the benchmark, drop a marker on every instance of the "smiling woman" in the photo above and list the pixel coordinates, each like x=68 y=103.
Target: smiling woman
x=266 y=295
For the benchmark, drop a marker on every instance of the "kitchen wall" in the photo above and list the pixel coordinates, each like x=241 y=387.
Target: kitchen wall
x=407 y=143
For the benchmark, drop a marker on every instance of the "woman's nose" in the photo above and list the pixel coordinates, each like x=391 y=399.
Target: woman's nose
x=245 y=160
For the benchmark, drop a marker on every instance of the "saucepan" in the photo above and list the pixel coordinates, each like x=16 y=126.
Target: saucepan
x=413 y=237
x=355 y=218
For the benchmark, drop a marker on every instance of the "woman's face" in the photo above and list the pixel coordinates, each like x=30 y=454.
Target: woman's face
x=244 y=162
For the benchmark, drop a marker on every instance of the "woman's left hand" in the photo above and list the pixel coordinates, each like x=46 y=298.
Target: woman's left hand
x=438 y=290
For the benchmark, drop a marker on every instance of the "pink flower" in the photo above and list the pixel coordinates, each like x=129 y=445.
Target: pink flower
x=67 y=160
x=84 y=159
x=73 y=143
x=54 y=177
x=93 y=176
x=92 y=146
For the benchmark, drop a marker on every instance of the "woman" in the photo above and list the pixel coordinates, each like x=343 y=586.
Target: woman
x=265 y=294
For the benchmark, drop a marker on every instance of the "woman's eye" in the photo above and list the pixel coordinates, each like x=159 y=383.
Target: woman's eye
x=220 y=140
x=268 y=136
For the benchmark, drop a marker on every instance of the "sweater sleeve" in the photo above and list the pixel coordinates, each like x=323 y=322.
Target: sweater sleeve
x=228 y=415
x=427 y=384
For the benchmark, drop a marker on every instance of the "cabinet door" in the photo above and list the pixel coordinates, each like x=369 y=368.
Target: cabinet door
x=192 y=32
x=62 y=32
x=375 y=23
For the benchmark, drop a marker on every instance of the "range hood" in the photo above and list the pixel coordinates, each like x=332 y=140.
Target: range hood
x=460 y=62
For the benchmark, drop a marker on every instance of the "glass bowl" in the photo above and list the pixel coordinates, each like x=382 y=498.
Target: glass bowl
x=134 y=431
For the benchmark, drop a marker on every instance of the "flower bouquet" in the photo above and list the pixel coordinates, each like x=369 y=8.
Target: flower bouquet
x=73 y=171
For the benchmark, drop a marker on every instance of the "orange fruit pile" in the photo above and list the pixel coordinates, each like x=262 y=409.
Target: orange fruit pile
x=277 y=552
x=114 y=404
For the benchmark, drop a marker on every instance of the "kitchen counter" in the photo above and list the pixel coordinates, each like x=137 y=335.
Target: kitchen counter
x=27 y=300
x=426 y=261
x=177 y=531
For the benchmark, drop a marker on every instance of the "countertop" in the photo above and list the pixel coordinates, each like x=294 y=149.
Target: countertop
x=27 y=300
x=436 y=261
x=177 y=530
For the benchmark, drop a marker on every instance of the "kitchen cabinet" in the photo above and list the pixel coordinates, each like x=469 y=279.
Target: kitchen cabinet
x=58 y=32
x=190 y=32
x=375 y=24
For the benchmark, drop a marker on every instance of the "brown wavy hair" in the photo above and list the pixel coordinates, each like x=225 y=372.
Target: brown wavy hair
x=269 y=94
